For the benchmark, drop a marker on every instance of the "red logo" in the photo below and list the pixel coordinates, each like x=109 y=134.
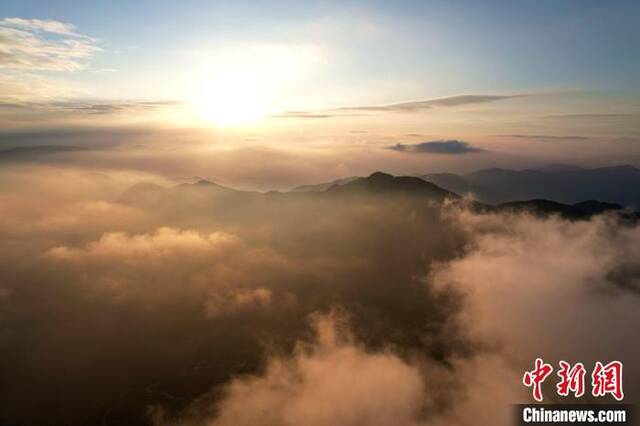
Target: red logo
x=605 y=379
x=571 y=379
x=536 y=376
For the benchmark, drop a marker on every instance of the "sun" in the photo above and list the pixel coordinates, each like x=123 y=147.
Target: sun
x=238 y=86
x=235 y=98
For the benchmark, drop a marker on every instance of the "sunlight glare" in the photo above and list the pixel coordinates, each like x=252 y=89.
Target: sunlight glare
x=233 y=99
x=240 y=86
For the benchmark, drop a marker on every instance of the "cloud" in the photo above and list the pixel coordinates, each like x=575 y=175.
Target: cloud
x=18 y=88
x=550 y=137
x=46 y=25
x=437 y=147
x=332 y=380
x=29 y=45
x=302 y=114
x=592 y=116
x=450 y=101
x=415 y=106
x=113 y=108
x=32 y=144
x=208 y=282
x=164 y=243
x=226 y=308
x=95 y=108
x=251 y=299
x=532 y=287
x=30 y=153
x=554 y=279
x=268 y=165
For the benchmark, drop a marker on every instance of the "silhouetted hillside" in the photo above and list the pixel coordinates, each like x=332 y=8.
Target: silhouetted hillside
x=380 y=182
x=210 y=199
x=323 y=186
x=581 y=210
x=620 y=184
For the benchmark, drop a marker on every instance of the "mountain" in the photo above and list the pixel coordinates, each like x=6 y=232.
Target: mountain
x=204 y=193
x=581 y=210
x=142 y=192
x=323 y=186
x=209 y=199
x=379 y=182
x=201 y=194
x=557 y=167
x=560 y=183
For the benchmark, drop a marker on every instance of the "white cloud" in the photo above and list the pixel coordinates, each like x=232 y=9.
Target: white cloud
x=330 y=381
x=43 y=46
x=164 y=243
x=45 y=25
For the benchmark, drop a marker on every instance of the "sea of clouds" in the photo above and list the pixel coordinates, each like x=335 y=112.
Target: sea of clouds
x=201 y=306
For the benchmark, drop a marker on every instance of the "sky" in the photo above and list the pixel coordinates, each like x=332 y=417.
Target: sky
x=517 y=82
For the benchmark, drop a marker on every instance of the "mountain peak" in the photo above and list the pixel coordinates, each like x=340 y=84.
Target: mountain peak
x=380 y=182
x=321 y=187
x=201 y=184
x=380 y=176
x=561 y=183
x=558 y=167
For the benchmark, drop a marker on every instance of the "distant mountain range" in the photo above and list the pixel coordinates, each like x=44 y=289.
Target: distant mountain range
x=556 y=182
x=563 y=184
x=323 y=186
x=210 y=198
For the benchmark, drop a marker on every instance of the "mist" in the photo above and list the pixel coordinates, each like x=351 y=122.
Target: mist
x=128 y=299
x=284 y=157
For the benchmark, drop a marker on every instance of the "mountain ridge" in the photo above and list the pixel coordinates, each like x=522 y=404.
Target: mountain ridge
x=612 y=184
x=204 y=192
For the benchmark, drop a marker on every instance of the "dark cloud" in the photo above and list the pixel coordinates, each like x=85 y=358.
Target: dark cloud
x=592 y=116
x=303 y=114
x=125 y=107
x=450 y=101
x=98 y=108
x=79 y=136
x=551 y=137
x=447 y=102
x=30 y=153
x=11 y=105
x=437 y=147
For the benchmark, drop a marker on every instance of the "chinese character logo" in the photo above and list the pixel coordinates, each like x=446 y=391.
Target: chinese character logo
x=571 y=379
x=536 y=376
x=605 y=379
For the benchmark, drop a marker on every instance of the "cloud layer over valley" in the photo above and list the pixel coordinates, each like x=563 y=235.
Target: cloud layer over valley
x=197 y=304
